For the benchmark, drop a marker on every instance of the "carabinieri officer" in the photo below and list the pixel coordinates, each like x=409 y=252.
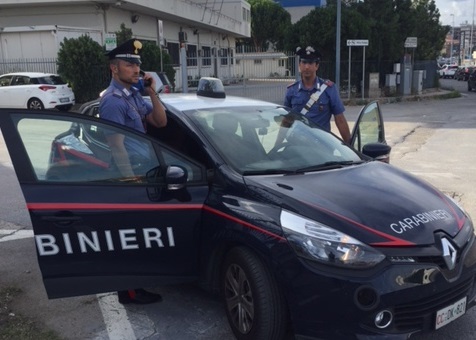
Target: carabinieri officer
x=122 y=103
x=315 y=97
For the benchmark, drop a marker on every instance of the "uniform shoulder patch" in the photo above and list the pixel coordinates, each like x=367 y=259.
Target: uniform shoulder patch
x=292 y=84
x=328 y=83
x=117 y=93
x=114 y=92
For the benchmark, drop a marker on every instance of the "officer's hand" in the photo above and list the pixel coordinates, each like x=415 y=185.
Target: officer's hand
x=149 y=79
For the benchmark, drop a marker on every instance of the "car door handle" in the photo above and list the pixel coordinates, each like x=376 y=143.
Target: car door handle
x=62 y=220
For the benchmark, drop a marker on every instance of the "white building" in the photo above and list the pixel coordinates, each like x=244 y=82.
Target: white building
x=208 y=28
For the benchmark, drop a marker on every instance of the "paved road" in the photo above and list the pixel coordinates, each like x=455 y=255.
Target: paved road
x=432 y=139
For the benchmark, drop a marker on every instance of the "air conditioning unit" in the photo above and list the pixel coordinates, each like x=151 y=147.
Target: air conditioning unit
x=182 y=36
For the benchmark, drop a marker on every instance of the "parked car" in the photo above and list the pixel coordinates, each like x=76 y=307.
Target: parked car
x=463 y=73
x=168 y=87
x=448 y=71
x=294 y=228
x=459 y=74
x=34 y=90
x=472 y=80
x=162 y=82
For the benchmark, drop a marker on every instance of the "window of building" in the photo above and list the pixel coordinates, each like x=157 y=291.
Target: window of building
x=174 y=52
x=206 y=56
x=192 y=55
x=224 y=56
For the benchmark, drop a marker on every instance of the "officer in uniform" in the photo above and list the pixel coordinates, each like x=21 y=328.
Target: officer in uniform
x=315 y=97
x=122 y=103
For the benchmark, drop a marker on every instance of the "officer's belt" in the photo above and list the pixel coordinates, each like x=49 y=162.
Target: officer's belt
x=314 y=98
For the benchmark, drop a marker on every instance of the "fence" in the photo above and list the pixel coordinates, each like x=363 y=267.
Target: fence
x=47 y=65
x=258 y=75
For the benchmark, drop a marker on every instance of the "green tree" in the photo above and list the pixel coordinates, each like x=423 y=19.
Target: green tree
x=318 y=29
x=423 y=23
x=385 y=23
x=150 y=56
x=269 y=22
x=81 y=62
x=123 y=34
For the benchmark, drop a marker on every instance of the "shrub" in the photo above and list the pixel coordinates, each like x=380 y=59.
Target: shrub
x=82 y=63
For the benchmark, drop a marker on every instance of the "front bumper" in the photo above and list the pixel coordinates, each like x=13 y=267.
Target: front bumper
x=335 y=305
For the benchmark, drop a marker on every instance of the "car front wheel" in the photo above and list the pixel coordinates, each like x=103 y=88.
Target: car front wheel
x=35 y=104
x=254 y=304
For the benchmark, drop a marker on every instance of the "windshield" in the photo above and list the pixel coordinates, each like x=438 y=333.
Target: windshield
x=266 y=140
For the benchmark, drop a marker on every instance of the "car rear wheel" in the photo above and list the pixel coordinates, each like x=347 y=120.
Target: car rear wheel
x=469 y=86
x=35 y=104
x=254 y=304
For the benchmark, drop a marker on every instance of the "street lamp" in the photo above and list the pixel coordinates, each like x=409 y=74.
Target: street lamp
x=452 y=38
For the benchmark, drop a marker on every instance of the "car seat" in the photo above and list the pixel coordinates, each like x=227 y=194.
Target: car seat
x=238 y=151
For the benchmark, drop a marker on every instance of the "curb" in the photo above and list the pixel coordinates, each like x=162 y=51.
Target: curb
x=431 y=94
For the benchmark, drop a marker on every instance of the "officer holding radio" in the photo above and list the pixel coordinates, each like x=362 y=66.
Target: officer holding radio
x=122 y=103
x=315 y=97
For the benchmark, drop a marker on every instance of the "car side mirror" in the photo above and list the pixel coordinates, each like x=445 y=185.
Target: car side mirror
x=175 y=177
x=377 y=151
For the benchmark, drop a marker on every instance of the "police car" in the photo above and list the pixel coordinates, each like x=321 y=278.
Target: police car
x=295 y=230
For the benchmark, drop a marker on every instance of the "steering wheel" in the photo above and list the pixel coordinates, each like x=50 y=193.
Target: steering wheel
x=275 y=150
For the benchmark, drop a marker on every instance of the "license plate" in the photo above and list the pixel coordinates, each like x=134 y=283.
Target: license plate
x=450 y=313
x=64 y=100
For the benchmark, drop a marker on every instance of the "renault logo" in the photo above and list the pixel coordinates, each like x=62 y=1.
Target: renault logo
x=449 y=253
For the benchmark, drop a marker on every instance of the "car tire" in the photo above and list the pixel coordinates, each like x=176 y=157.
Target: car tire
x=255 y=306
x=35 y=104
x=469 y=87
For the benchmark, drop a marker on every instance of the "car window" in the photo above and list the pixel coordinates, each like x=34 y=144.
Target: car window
x=21 y=80
x=368 y=127
x=51 y=80
x=75 y=150
x=5 y=81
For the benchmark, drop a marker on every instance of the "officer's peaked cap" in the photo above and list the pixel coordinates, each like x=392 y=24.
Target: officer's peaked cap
x=128 y=51
x=308 y=54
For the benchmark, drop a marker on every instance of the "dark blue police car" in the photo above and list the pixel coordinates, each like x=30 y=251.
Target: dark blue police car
x=297 y=231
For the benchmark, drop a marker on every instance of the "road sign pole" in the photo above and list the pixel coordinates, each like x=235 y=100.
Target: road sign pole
x=363 y=43
x=363 y=74
x=348 y=82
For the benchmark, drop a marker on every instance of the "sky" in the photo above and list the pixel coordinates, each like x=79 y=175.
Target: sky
x=462 y=9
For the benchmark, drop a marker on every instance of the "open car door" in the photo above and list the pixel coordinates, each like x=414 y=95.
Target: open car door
x=96 y=230
x=368 y=134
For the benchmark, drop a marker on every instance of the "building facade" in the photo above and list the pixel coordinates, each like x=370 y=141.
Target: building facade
x=207 y=29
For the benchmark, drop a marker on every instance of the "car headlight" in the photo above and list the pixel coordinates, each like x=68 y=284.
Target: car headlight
x=319 y=242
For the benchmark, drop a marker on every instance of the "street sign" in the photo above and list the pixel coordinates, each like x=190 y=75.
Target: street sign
x=357 y=42
x=110 y=40
x=411 y=42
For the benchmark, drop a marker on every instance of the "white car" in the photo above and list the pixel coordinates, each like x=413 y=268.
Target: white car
x=448 y=71
x=35 y=90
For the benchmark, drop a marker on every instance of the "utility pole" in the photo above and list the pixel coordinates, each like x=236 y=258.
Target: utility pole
x=337 y=80
x=471 y=37
x=452 y=38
